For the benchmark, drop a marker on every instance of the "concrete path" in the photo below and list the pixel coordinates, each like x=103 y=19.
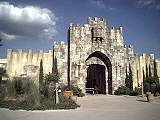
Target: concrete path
x=95 y=107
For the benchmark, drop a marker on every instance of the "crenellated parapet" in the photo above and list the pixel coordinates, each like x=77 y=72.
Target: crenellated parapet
x=18 y=61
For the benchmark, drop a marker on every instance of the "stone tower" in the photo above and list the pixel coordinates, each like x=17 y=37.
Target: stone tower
x=98 y=56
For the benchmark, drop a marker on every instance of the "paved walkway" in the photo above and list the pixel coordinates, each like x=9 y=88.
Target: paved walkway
x=95 y=107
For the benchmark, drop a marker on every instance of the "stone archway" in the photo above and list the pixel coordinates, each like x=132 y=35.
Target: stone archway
x=96 y=77
x=108 y=65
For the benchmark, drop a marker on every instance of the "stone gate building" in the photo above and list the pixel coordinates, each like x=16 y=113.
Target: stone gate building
x=95 y=56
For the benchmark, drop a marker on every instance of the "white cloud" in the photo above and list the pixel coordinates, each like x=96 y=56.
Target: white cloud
x=111 y=8
x=6 y=36
x=28 y=22
x=98 y=3
x=151 y=4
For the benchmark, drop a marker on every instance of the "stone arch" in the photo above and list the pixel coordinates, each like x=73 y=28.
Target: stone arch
x=107 y=63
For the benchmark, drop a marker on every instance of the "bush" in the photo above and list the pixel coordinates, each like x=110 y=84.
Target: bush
x=65 y=103
x=158 y=88
x=33 y=94
x=10 y=88
x=76 y=91
x=133 y=93
x=45 y=104
x=2 y=92
x=28 y=97
x=122 y=90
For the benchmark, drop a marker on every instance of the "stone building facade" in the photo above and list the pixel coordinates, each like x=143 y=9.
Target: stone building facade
x=95 y=56
x=95 y=43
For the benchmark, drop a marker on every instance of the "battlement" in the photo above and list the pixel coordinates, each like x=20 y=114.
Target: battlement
x=96 y=19
x=117 y=29
x=75 y=25
x=59 y=43
x=30 y=51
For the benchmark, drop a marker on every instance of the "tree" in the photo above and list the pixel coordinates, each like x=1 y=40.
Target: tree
x=150 y=73
x=146 y=71
x=55 y=69
x=130 y=79
x=126 y=79
x=155 y=69
x=41 y=75
x=1 y=74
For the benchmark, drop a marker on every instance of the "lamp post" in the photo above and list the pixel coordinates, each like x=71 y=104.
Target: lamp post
x=57 y=90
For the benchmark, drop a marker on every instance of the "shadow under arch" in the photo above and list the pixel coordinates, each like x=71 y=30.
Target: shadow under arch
x=108 y=64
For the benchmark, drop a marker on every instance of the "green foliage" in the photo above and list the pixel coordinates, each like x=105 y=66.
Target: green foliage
x=2 y=73
x=41 y=76
x=129 y=79
x=33 y=94
x=45 y=104
x=2 y=92
x=150 y=74
x=26 y=95
x=48 y=78
x=158 y=88
x=55 y=69
x=18 y=85
x=146 y=71
x=123 y=90
x=155 y=69
x=10 y=91
x=76 y=91
x=23 y=86
x=151 y=84
x=66 y=103
x=52 y=77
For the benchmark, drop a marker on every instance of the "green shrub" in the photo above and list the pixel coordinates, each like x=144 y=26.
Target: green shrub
x=65 y=103
x=10 y=88
x=2 y=92
x=28 y=97
x=158 y=88
x=33 y=94
x=122 y=90
x=76 y=91
x=133 y=93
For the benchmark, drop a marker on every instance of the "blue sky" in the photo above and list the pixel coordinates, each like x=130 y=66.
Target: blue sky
x=19 y=28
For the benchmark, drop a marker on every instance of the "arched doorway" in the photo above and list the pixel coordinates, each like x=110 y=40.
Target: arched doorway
x=95 y=67
x=96 y=77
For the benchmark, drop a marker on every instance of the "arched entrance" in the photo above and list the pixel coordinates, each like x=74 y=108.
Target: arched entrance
x=96 y=77
x=99 y=80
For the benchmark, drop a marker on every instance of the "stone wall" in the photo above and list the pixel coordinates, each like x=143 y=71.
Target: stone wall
x=140 y=62
x=27 y=63
x=60 y=51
